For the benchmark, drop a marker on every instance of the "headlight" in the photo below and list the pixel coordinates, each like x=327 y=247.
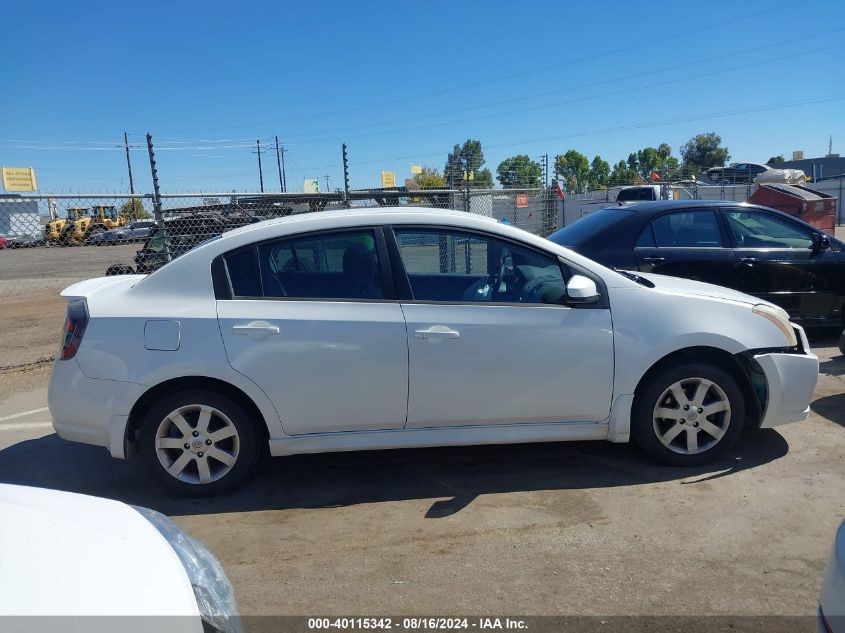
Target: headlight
x=212 y=590
x=780 y=318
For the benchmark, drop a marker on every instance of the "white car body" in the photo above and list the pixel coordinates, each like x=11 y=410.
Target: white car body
x=347 y=375
x=832 y=603
x=81 y=557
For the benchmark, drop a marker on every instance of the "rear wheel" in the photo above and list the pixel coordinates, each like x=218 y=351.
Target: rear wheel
x=842 y=342
x=198 y=442
x=688 y=414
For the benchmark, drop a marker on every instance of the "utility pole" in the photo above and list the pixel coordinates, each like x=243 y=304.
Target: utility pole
x=345 y=176
x=280 y=163
x=260 y=171
x=327 y=183
x=128 y=163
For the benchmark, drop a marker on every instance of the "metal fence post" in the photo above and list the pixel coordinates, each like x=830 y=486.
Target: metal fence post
x=157 y=196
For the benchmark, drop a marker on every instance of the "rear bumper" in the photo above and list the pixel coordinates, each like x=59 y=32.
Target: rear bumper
x=791 y=380
x=89 y=410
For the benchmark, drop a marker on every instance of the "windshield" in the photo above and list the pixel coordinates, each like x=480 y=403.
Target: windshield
x=588 y=226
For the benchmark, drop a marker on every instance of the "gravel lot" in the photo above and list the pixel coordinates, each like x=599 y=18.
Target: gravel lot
x=577 y=528
x=30 y=282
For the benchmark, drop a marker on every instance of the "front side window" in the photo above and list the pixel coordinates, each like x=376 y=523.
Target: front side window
x=687 y=229
x=341 y=265
x=755 y=229
x=467 y=267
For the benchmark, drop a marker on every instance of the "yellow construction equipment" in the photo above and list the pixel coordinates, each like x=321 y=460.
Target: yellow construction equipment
x=101 y=218
x=54 y=228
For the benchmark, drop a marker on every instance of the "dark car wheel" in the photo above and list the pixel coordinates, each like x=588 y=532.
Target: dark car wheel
x=688 y=414
x=842 y=343
x=199 y=443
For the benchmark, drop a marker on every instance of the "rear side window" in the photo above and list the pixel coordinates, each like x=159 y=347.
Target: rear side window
x=687 y=229
x=243 y=273
x=341 y=265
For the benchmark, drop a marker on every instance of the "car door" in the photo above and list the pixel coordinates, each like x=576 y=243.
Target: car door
x=686 y=243
x=312 y=320
x=490 y=340
x=775 y=261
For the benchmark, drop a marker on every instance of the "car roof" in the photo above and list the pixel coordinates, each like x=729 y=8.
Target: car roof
x=662 y=205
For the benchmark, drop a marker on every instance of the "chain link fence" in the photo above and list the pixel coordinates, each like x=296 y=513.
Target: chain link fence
x=52 y=241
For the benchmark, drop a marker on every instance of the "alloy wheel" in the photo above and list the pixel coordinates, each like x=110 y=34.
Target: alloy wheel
x=691 y=416
x=197 y=444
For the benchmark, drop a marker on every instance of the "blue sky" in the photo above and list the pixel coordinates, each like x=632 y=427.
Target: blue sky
x=401 y=83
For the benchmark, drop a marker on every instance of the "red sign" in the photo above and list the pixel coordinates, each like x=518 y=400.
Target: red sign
x=521 y=200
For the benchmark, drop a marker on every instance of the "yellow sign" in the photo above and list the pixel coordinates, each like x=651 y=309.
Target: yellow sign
x=416 y=169
x=388 y=179
x=311 y=185
x=18 y=178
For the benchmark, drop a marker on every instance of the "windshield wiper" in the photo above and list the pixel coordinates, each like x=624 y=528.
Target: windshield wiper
x=634 y=277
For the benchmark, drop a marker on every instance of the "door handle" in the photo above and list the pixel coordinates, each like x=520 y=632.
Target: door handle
x=256 y=327
x=437 y=332
x=654 y=260
x=748 y=261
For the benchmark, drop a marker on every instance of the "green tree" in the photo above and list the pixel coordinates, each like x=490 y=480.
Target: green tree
x=467 y=159
x=599 y=173
x=519 y=172
x=671 y=169
x=574 y=168
x=430 y=178
x=776 y=160
x=622 y=174
x=648 y=162
x=483 y=179
x=704 y=151
x=133 y=210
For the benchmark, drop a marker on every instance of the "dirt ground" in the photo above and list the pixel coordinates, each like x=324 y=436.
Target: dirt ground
x=30 y=307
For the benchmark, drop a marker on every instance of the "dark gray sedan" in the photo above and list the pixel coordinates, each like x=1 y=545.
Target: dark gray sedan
x=137 y=231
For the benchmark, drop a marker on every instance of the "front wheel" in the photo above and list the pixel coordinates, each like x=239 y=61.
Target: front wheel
x=842 y=343
x=197 y=442
x=688 y=414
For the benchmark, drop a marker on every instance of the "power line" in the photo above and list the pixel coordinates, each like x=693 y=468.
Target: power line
x=613 y=93
x=241 y=143
x=570 y=62
x=617 y=79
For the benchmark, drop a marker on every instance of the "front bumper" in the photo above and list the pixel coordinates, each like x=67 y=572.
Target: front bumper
x=91 y=410
x=790 y=382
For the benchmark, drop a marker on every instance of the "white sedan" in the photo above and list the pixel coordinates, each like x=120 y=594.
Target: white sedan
x=75 y=562
x=395 y=328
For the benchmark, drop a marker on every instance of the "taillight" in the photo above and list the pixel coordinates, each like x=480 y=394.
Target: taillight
x=75 y=323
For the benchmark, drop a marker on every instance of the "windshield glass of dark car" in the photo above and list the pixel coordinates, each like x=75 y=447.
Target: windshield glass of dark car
x=588 y=226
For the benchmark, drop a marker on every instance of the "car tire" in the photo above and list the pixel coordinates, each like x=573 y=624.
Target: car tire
x=204 y=461
x=842 y=343
x=676 y=392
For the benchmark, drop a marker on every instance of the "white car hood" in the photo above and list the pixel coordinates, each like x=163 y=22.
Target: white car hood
x=67 y=554
x=689 y=287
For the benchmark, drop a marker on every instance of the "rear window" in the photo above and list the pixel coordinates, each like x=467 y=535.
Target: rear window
x=636 y=194
x=589 y=226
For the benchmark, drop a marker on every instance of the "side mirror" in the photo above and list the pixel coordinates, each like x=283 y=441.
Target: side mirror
x=820 y=242
x=581 y=290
